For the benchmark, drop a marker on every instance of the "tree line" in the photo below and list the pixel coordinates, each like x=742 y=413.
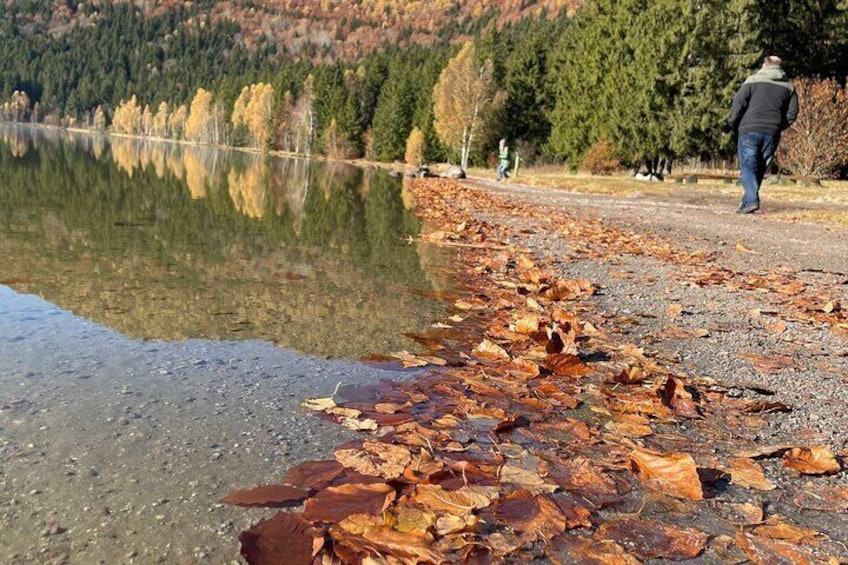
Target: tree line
x=637 y=82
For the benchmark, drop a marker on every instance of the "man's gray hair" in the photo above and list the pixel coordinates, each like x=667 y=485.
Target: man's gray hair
x=771 y=61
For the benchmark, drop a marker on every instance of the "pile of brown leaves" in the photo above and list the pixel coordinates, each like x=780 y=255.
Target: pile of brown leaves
x=537 y=435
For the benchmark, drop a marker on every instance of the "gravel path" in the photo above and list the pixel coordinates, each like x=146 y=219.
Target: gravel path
x=638 y=290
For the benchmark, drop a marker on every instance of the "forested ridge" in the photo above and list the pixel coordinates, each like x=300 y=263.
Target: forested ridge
x=617 y=82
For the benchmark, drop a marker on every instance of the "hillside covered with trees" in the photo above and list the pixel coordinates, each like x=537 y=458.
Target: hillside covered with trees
x=602 y=81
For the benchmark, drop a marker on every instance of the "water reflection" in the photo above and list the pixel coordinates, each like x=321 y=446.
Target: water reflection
x=162 y=241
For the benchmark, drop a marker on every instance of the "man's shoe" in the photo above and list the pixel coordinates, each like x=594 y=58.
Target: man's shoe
x=749 y=209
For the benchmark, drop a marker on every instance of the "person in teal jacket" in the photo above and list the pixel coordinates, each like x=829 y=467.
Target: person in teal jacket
x=503 y=160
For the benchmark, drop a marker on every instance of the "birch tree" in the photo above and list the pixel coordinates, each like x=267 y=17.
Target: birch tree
x=464 y=99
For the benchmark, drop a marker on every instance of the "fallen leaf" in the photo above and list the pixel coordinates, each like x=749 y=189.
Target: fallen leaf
x=268 y=496
x=319 y=404
x=569 y=549
x=450 y=524
x=490 y=350
x=651 y=540
x=631 y=376
x=459 y=502
x=528 y=325
x=675 y=396
x=534 y=516
x=748 y=473
x=376 y=458
x=674 y=474
x=566 y=365
x=334 y=504
x=816 y=460
x=674 y=311
x=824 y=498
x=366 y=425
x=742 y=249
x=770 y=363
x=284 y=538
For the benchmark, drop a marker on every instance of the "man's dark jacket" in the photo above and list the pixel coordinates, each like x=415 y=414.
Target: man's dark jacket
x=765 y=103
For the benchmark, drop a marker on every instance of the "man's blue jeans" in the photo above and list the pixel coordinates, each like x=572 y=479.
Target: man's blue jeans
x=756 y=153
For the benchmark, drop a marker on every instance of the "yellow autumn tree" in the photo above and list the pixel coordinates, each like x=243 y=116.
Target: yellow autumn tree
x=199 y=125
x=19 y=105
x=98 y=119
x=414 y=155
x=464 y=100
x=160 y=121
x=177 y=121
x=127 y=116
x=252 y=109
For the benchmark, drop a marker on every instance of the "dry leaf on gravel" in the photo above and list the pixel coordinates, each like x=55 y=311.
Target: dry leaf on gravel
x=568 y=549
x=675 y=396
x=534 y=516
x=650 y=540
x=816 y=460
x=824 y=498
x=748 y=473
x=674 y=474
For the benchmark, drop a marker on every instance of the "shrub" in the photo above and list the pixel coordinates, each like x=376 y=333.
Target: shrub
x=817 y=143
x=600 y=159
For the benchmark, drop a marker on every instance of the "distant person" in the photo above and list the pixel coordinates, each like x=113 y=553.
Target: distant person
x=503 y=160
x=764 y=106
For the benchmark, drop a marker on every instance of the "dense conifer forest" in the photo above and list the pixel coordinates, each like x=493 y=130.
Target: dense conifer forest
x=608 y=81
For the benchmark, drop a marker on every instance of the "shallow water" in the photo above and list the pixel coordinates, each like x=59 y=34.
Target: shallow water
x=163 y=312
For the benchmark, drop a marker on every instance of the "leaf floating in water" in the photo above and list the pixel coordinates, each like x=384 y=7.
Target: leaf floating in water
x=269 y=496
x=285 y=538
x=313 y=474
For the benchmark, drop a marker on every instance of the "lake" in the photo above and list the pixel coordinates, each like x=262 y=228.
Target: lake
x=164 y=309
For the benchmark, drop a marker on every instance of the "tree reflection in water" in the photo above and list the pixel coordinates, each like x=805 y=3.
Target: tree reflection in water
x=161 y=241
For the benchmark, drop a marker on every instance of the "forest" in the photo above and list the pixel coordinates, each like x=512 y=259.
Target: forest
x=599 y=84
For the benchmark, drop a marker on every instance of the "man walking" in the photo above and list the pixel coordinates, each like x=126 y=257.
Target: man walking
x=764 y=106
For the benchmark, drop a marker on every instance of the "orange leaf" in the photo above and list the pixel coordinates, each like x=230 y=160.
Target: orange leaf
x=376 y=458
x=459 y=502
x=748 y=473
x=490 y=350
x=528 y=325
x=675 y=395
x=570 y=549
x=674 y=474
x=816 y=460
x=334 y=504
x=285 y=538
x=651 y=540
x=533 y=516
x=313 y=474
x=674 y=310
x=269 y=496
x=566 y=365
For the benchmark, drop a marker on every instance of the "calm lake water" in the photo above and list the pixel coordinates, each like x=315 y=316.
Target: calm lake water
x=163 y=311
x=167 y=242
